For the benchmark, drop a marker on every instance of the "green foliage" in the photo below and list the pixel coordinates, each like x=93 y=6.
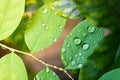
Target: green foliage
x=79 y=44
x=46 y=74
x=101 y=12
x=101 y=59
x=66 y=8
x=41 y=32
x=11 y=12
x=112 y=75
x=81 y=49
x=12 y=68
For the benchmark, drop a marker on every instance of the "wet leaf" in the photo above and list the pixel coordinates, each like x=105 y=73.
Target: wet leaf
x=44 y=29
x=101 y=59
x=79 y=44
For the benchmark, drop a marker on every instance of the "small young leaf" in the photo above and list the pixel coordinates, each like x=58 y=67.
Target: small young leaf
x=11 y=12
x=44 y=29
x=66 y=8
x=12 y=68
x=46 y=74
x=79 y=44
x=112 y=75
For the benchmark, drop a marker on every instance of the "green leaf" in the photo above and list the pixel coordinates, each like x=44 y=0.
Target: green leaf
x=17 y=37
x=44 y=29
x=101 y=12
x=79 y=44
x=112 y=75
x=66 y=8
x=46 y=74
x=117 y=58
x=11 y=12
x=101 y=59
x=12 y=68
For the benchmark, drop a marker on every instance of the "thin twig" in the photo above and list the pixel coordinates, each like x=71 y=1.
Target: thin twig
x=41 y=61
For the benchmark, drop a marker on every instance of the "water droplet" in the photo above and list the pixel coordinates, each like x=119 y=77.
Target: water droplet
x=68 y=44
x=77 y=40
x=54 y=74
x=85 y=46
x=55 y=13
x=67 y=36
x=46 y=28
x=73 y=63
x=80 y=65
x=63 y=50
x=70 y=58
x=76 y=55
x=71 y=34
x=60 y=26
x=43 y=24
x=91 y=29
x=37 y=77
x=45 y=10
x=47 y=69
x=80 y=54
x=55 y=40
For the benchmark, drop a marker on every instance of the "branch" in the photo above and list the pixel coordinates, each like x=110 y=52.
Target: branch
x=41 y=61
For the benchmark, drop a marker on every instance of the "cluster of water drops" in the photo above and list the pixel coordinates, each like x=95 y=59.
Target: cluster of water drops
x=45 y=26
x=78 y=41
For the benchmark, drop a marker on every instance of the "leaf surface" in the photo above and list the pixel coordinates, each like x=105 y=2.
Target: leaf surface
x=79 y=44
x=112 y=75
x=11 y=12
x=12 y=68
x=44 y=29
x=100 y=61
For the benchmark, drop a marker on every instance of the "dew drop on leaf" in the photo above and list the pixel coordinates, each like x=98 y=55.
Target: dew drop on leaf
x=91 y=29
x=78 y=59
x=47 y=69
x=60 y=26
x=43 y=24
x=85 y=46
x=68 y=44
x=54 y=74
x=73 y=63
x=46 y=28
x=77 y=40
x=37 y=77
x=63 y=50
x=55 y=40
x=70 y=58
x=44 y=10
x=80 y=54
x=55 y=13
x=80 y=65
